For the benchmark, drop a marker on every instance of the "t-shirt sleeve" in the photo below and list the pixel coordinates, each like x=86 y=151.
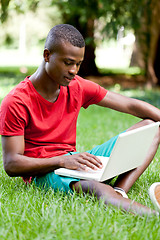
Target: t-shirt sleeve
x=13 y=117
x=92 y=93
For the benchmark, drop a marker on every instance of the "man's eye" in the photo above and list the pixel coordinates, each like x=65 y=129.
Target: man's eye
x=78 y=64
x=67 y=63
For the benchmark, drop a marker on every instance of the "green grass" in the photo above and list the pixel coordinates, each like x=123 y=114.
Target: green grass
x=16 y=71
x=131 y=71
x=28 y=213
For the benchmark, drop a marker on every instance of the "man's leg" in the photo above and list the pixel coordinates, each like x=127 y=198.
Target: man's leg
x=109 y=196
x=126 y=180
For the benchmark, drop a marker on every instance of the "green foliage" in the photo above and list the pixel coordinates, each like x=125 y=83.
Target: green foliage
x=83 y=8
x=107 y=17
x=110 y=14
x=27 y=25
x=91 y=17
x=4 y=10
x=19 y=5
x=115 y=13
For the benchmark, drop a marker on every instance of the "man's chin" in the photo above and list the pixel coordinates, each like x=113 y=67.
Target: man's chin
x=65 y=84
x=67 y=81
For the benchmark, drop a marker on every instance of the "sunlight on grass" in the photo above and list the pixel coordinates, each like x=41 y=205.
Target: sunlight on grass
x=130 y=71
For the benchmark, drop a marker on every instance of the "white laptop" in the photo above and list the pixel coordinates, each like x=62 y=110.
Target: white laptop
x=129 y=152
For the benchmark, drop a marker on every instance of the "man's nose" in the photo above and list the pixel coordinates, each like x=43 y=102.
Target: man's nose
x=73 y=70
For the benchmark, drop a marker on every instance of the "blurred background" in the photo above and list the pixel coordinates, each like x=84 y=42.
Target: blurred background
x=122 y=37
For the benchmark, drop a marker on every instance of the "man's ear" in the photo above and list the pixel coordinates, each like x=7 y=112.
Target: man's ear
x=46 y=55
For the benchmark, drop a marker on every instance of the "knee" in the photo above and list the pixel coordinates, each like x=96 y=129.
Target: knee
x=141 y=124
x=88 y=186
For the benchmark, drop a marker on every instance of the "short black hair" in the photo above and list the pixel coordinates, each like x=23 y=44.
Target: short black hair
x=63 y=33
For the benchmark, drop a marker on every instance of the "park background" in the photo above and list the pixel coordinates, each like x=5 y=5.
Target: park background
x=122 y=54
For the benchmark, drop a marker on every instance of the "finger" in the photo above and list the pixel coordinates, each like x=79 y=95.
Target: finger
x=81 y=167
x=94 y=160
x=87 y=162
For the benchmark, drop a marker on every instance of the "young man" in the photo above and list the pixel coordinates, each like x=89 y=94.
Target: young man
x=38 y=123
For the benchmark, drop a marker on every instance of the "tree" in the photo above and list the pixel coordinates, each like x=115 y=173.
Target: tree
x=82 y=14
x=19 y=17
x=20 y=6
x=153 y=63
x=138 y=15
x=4 y=10
x=148 y=40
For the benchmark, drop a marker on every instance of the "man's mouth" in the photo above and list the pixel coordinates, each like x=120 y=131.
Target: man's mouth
x=68 y=79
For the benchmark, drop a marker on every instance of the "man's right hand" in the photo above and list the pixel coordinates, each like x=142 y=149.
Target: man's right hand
x=81 y=161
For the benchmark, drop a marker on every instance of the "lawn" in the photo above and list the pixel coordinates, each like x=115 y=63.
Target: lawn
x=28 y=213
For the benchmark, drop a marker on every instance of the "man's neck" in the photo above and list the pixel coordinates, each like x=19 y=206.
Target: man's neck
x=44 y=86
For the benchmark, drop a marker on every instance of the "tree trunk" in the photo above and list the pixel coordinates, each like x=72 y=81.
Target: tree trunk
x=157 y=62
x=153 y=58
x=88 y=66
x=148 y=44
x=137 y=58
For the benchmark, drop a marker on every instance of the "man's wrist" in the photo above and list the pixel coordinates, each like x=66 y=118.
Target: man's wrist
x=61 y=161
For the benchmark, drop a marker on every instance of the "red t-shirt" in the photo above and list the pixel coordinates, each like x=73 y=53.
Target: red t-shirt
x=49 y=128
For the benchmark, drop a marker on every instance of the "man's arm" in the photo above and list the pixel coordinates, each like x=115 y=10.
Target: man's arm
x=16 y=164
x=131 y=106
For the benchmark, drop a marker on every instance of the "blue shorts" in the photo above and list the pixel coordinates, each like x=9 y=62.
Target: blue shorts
x=56 y=182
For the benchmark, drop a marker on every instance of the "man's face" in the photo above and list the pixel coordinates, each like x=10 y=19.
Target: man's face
x=62 y=65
